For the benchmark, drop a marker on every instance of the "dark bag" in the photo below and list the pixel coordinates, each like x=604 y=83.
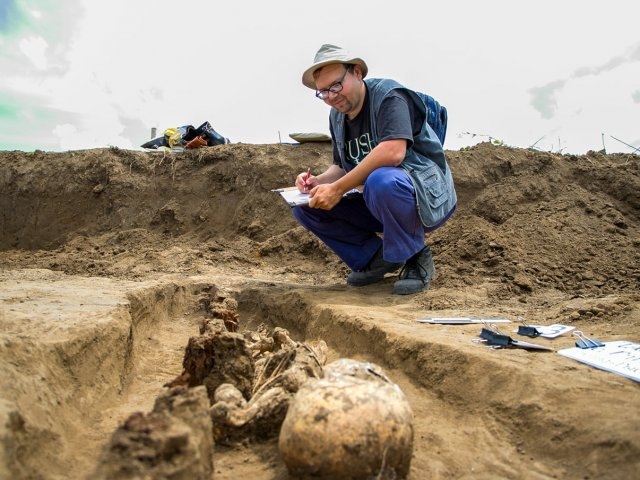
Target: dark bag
x=207 y=132
x=436 y=116
x=186 y=134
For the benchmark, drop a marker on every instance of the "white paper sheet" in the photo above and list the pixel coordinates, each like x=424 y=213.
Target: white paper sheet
x=551 y=331
x=620 y=357
x=461 y=320
x=294 y=198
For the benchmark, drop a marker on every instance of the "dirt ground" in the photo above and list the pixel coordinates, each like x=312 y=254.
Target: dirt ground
x=106 y=256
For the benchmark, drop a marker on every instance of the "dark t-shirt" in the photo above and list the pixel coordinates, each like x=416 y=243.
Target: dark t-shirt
x=397 y=119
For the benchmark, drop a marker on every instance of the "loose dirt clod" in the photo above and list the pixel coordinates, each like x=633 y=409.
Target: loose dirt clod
x=352 y=424
x=216 y=358
x=173 y=441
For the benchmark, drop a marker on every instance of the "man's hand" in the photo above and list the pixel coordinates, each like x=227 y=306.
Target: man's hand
x=325 y=196
x=333 y=173
x=306 y=182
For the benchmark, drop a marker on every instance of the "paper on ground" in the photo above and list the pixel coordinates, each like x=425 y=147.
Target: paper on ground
x=461 y=320
x=551 y=331
x=619 y=357
x=530 y=346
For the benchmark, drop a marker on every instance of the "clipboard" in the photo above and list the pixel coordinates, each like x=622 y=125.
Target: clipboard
x=295 y=198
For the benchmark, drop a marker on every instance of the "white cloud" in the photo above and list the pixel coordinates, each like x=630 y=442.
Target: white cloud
x=100 y=129
x=632 y=54
x=37 y=14
x=35 y=49
x=544 y=99
x=65 y=130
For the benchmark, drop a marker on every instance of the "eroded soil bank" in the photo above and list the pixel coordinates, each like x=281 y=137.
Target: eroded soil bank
x=106 y=256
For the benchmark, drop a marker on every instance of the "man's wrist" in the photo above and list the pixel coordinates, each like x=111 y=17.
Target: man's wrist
x=341 y=186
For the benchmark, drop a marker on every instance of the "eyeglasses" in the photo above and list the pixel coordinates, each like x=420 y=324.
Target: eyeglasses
x=335 y=88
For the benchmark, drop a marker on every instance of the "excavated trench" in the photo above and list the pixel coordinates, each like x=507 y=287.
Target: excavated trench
x=99 y=347
x=465 y=427
x=151 y=352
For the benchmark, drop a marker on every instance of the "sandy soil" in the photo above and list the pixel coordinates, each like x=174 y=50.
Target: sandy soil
x=108 y=256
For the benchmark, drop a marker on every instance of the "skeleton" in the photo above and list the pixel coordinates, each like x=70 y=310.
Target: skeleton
x=283 y=366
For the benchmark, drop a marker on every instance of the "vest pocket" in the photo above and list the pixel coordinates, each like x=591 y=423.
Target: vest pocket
x=434 y=185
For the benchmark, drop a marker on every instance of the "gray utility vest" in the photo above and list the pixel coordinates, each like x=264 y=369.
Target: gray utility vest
x=424 y=161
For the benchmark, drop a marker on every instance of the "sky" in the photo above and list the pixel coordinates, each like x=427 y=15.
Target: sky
x=559 y=76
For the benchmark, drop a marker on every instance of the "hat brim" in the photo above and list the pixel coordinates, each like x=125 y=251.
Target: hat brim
x=307 y=76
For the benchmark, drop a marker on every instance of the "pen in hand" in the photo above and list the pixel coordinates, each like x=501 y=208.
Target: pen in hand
x=306 y=179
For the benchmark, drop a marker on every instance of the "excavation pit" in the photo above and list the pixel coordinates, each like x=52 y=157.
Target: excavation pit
x=102 y=287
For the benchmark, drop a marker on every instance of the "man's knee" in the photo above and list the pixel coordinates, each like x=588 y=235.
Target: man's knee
x=387 y=183
x=381 y=179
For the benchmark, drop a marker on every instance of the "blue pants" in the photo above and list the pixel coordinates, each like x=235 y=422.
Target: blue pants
x=387 y=205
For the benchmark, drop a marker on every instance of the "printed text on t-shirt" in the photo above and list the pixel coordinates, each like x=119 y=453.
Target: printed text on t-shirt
x=358 y=148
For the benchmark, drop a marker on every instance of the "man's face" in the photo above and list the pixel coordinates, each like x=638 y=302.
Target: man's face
x=346 y=100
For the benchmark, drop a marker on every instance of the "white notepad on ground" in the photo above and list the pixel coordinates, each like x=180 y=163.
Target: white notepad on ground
x=551 y=331
x=619 y=357
x=462 y=320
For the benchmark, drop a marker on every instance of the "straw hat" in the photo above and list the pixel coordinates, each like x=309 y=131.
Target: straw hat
x=327 y=55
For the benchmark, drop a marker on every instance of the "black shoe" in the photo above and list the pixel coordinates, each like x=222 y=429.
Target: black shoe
x=373 y=272
x=416 y=274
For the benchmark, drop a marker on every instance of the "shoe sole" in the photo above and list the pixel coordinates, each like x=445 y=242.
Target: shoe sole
x=364 y=283
x=410 y=290
x=376 y=279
